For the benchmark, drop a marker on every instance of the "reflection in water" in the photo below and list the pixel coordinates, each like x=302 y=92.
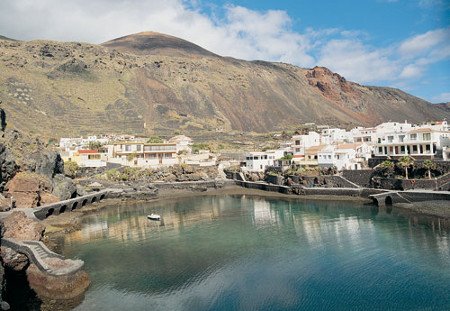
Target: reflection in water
x=250 y=253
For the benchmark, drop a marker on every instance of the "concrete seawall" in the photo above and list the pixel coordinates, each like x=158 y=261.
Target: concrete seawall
x=379 y=196
x=263 y=186
x=409 y=196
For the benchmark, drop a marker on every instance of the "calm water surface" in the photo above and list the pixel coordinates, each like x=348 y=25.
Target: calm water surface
x=252 y=253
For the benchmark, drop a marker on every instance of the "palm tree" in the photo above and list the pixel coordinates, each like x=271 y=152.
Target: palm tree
x=405 y=162
x=388 y=166
x=429 y=165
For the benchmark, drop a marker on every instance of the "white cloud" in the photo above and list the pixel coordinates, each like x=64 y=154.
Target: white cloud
x=355 y=61
x=411 y=71
x=424 y=42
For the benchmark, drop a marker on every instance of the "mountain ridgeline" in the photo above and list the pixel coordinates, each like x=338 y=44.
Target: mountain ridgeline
x=150 y=83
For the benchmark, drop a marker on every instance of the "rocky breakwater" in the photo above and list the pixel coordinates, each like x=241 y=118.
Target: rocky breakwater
x=47 y=284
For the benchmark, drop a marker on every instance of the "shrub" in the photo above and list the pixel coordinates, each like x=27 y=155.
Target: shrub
x=71 y=168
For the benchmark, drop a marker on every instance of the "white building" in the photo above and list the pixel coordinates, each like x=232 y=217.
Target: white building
x=67 y=142
x=143 y=154
x=260 y=161
x=302 y=142
x=350 y=156
x=423 y=141
x=335 y=135
x=364 y=134
x=85 y=158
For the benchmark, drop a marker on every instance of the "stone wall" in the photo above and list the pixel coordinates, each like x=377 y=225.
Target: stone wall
x=264 y=186
x=192 y=185
x=360 y=177
x=326 y=182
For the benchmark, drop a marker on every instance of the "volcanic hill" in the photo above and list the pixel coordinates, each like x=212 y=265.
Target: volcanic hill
x=154 y=83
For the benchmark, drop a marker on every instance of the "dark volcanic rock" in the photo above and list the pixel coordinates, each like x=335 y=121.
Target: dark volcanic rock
x=8 y=166
x=63 y=187
x=28 y=154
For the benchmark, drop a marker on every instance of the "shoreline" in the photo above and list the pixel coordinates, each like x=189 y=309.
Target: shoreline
x=68 y=222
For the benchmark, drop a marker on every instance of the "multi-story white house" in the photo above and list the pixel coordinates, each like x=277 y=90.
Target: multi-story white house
x=351 y=156
x=302 y=142
x=363 y=134
x=423 y=141
x=335 y=135
x=260 y=161
x=143 y=154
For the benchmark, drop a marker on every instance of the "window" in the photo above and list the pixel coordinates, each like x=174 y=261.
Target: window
x=138 y=148
x=401 y=138
x=414 y=148
x=390 y=139
x=426 y=136
x=297 y=142
x=329 y=156
x=380 y=149
x=413 y=136
x=127 y=148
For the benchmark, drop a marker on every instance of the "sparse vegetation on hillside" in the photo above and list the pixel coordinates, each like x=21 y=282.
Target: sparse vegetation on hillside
x=76 y=88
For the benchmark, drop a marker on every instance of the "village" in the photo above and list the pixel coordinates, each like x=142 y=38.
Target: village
x=324 y=148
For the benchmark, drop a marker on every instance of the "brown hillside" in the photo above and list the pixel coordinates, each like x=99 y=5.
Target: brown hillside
x=154 y=43
x=152 y=83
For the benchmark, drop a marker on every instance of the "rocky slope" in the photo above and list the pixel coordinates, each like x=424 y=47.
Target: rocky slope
x=153 y=83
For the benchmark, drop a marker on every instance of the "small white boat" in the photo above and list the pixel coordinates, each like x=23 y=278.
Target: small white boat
x=154 y=216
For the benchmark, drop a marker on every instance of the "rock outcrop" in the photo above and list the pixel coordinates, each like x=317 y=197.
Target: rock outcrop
x=26 y=189
x=63 y=187
x=31 y=154
x=19 y=227
x=5 y=204
x=21 y=153
x=8 y=166
x=57 y=287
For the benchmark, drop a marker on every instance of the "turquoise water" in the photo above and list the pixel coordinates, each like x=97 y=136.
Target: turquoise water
x=253 y=253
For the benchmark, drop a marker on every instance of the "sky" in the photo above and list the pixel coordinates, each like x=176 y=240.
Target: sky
x=398 y=43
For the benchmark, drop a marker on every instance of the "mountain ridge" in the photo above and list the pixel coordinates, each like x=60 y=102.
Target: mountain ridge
x=56 y=88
